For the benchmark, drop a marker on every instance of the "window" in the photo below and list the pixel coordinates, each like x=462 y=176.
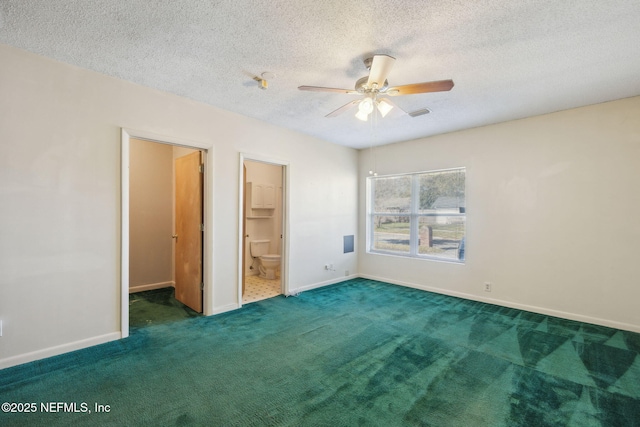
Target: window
x=418 y=215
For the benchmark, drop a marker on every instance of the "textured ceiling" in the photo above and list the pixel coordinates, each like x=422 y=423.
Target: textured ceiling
x=508 y=59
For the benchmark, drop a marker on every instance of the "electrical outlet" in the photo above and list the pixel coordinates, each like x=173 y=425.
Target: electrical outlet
x=346 y=273
x=487 y=286
x=0 y=328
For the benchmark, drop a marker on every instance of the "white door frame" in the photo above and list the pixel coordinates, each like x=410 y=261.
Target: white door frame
x=207 y=259
x=284 y=259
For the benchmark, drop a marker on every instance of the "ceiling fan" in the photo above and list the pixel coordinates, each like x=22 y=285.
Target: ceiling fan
x=376 y=90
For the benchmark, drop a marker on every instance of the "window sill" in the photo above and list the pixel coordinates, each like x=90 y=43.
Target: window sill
x=418 y=257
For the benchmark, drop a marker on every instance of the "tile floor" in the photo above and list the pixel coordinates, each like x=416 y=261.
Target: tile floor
x=256 y=289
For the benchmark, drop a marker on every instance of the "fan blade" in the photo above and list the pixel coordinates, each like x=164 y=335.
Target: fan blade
x=327 y=89
x=426 y=87
x=380 y=68
x=344 y=108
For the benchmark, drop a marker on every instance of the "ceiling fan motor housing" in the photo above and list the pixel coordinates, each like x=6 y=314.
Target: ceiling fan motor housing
x=361 y=86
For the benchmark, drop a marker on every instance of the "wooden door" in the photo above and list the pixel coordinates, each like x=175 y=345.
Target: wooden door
x=189 y=230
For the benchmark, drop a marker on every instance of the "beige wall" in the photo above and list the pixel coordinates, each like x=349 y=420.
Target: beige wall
x=60 y=177
x=552 y=205
x=150 y=215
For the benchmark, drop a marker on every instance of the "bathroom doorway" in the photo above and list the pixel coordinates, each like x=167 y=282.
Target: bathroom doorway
x=263 y=239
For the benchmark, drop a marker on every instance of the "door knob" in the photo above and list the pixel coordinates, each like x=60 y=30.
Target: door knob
x=175 y=236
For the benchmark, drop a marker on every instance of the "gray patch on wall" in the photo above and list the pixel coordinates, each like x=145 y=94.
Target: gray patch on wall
x=348 y=243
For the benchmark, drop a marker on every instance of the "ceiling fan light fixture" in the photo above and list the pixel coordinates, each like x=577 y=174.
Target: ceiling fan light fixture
x=384 y=107
x=362 y=115
x=366 y=106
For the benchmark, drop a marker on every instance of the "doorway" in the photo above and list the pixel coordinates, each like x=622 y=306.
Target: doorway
x=263 y=241
x=166 y=226
x=164 y=248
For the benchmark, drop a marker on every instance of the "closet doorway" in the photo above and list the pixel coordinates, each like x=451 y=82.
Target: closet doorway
x=164 y=218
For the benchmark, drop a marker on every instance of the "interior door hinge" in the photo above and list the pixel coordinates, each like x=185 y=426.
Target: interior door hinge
x=201 y=285
x=201 y=168
x=201 y=227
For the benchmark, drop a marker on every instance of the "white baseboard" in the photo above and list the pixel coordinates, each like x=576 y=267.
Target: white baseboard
x=150 y=286
x=503 y=303
x=57 y=350
x=321 y=284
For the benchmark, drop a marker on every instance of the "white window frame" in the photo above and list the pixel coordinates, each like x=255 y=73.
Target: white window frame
x=414 y=217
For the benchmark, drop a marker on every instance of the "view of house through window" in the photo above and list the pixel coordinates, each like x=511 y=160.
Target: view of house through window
x=418 y=215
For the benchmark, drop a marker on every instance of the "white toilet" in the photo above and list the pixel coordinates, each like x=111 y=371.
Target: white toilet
x=269 y=263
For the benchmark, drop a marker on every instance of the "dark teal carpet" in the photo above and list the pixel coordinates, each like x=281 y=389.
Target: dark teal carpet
x=157 y=306
x=360 y=353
